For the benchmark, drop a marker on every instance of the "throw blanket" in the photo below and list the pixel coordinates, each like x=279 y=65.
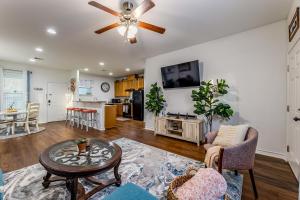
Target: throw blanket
x=212 y=154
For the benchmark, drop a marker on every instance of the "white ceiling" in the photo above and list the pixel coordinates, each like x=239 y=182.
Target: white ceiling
x=23 y=25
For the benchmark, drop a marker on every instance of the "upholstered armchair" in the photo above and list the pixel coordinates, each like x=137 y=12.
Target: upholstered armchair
x=238 y=157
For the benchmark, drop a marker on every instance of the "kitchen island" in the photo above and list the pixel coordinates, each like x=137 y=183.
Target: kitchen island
x=96 y=105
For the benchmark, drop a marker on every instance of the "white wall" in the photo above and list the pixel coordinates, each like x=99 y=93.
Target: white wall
x=98 y=95
x=40 y=78
x=254 y=64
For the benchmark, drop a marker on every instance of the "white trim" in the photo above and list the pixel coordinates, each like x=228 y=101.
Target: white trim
x=258 y=151
x=272 y=154
x=149 y=129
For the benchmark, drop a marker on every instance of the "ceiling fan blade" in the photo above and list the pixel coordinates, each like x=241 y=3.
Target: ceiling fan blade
x=151 y=27
x=144 y=7
x=132 y=40
x=107 y=28
x=104 y=8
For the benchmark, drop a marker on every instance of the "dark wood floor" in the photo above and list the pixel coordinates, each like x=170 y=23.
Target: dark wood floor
x=273 y=176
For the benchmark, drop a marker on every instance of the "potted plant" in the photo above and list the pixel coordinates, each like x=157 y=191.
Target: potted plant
x=207 y=101
x=81 y=144
x=155 y=101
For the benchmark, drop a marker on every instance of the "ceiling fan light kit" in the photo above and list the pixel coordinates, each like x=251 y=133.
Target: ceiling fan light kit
x=129 y=23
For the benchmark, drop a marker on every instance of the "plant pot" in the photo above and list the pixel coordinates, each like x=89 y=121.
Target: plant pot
x=82 y=147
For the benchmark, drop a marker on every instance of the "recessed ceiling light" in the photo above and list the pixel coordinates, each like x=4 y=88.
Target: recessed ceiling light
x=127 y=69
x=51 y=31
x=110 y=73
x=32 y=60
x=101 y=63
x=86 y=69
x=38 y=49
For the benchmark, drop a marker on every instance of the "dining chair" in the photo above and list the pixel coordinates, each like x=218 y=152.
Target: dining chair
x=33 y=110
x=5 y=125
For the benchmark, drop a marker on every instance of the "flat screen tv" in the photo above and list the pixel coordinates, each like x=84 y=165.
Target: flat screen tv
x=181 y=75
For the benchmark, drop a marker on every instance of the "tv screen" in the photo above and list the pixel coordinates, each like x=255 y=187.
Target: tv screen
x=181 y=75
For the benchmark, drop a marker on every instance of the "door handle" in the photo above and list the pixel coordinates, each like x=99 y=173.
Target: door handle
x=296 y=119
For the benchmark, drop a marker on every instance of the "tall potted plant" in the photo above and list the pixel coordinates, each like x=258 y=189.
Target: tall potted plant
x=155 y=100
x=207 y=101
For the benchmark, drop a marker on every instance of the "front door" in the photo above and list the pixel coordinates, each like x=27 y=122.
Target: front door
x=293 y=116
x=56 y=101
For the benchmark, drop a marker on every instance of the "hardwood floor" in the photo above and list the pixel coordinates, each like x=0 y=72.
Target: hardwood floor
x=274 y=177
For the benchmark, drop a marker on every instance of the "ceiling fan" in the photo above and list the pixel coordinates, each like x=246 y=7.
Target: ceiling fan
x=129 y=19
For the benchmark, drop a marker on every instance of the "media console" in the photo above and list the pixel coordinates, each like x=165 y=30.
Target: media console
x=181 y=128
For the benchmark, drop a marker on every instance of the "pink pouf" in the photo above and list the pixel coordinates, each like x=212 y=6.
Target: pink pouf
x=207 y=184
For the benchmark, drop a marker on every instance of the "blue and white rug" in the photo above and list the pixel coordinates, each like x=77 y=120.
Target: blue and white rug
x=146 y=166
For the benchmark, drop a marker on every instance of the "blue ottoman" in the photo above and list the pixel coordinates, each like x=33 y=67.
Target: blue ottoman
x=130 y=191
x=1 y=185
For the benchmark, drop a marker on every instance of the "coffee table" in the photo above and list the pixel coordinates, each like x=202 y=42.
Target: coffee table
x=64 y=161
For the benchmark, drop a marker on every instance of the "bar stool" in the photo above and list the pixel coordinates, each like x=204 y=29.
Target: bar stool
x=77 y=117
x=88 y=118
x=69 y=115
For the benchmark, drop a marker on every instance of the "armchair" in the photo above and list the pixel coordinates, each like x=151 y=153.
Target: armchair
x=238 y=157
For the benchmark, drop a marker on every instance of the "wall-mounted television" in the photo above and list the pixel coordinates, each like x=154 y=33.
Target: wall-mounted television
x=182 y=75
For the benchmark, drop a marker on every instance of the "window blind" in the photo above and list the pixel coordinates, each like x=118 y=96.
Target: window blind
x=14 y=89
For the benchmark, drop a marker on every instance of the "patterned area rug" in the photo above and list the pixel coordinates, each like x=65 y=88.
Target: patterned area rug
x=146 y=166
x=20 y=131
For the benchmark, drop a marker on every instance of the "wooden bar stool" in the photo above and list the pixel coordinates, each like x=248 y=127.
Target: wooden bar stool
x=69 y=115
x=77 y=116
x=88 y=118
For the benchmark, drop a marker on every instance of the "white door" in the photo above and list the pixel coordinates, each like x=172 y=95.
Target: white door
x=293 y=116
x=56 y=101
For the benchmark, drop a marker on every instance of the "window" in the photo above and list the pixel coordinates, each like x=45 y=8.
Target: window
x=14 y=89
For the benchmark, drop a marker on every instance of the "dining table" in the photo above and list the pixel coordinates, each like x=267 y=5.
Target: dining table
x=14 y=116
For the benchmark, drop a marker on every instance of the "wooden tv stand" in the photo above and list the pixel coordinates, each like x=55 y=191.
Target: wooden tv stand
x=185 y=129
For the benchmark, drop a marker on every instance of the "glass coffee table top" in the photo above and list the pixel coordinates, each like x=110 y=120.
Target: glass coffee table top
x=67 y=153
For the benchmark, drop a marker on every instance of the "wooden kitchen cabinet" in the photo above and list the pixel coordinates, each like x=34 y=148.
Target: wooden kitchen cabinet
x=117 y=89
x=119 y=110
x=140 y=83
x=110 y=116
x=135 y=84
x=131 y=84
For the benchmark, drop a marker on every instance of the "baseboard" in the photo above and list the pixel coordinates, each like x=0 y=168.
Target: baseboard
x=258 y=151
x=272 y=154
x=149 y=129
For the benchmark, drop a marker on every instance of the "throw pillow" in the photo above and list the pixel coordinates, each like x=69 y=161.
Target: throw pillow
x=206 y=184
x=231 y=135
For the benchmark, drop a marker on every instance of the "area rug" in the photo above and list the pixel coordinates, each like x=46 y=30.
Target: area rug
x=146 y=166
x=20 y=131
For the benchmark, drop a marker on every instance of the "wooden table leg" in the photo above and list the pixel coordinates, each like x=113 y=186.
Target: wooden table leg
x=117 y=175
x=72 y=185
x=101 y=184
x=46 y=181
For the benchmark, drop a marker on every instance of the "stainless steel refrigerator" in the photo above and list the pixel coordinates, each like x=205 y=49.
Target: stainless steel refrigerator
x=138 y=105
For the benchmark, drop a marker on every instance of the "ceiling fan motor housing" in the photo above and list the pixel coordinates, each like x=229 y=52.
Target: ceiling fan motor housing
x=128 y=6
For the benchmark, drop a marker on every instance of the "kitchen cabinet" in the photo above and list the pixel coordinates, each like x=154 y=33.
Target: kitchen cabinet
x=140 y=83
x=119 y=110
x=110 y=116
x=128 y=84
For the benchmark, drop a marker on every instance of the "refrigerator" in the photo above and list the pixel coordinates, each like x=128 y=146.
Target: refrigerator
x=138 y=105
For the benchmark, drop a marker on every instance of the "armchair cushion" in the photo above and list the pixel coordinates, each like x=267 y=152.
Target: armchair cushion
x=207 y=146
x=231 y=135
